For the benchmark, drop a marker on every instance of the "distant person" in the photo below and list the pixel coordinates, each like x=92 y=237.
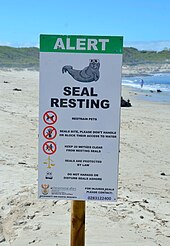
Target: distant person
x=141 y=83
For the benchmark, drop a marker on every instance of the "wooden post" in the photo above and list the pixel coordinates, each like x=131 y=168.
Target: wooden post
x=77 y=223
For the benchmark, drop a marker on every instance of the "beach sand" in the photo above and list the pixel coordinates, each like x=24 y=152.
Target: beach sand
x=140 y=217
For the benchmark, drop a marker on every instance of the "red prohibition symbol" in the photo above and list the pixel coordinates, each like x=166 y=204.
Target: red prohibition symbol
x=49 y=132
x=50 y=117
x=49 y=147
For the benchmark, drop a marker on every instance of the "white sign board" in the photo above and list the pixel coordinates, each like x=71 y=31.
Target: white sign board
x=79 y=117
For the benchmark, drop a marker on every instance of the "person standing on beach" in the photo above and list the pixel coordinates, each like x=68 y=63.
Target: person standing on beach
x=141 y=83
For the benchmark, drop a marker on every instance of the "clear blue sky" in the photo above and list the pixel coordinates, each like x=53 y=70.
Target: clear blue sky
x=145 y=22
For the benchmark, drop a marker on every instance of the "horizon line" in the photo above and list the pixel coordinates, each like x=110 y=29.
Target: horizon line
x=139 y=45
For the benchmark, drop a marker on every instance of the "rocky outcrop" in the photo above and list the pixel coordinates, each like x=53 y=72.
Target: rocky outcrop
x=125 y=103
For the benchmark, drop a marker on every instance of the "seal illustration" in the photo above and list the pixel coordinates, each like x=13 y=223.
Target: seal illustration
x=87 y=74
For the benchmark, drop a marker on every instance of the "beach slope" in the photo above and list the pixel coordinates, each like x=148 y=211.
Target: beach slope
x=141 y=215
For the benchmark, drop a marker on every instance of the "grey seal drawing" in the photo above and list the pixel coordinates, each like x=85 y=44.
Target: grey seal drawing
x=87 y=74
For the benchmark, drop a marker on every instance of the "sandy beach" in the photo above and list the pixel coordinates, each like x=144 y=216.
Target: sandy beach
x=140 y=217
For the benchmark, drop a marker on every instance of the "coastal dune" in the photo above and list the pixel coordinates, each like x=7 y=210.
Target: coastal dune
x=141 y=215
x=145 y=69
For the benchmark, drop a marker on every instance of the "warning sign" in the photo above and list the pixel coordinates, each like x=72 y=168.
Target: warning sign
x=50 y=117
x=49 y=147
x=49 y=132
x=79 y=123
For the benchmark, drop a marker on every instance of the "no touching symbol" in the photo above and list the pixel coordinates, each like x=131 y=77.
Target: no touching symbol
x=49 y=147
x=49 y=132
x=50 y=117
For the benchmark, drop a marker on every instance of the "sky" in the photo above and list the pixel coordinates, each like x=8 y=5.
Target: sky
x=143 y=24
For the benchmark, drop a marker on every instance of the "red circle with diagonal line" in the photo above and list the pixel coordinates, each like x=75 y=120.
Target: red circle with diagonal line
x=49 y=132
x=50 y=117
x=49 y=147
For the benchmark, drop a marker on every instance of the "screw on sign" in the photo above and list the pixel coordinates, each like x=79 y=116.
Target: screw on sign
x=49 y=147
x=50 y=117
x=49 y=132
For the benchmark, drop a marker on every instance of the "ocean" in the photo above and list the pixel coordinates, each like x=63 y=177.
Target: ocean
x=156 y=87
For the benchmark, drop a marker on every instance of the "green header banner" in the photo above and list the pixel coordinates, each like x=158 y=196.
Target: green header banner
x=81 y=44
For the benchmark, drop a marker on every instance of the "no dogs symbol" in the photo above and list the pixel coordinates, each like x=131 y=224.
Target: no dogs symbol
x=50 y=117
x=49 y=147
x=49 y=132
